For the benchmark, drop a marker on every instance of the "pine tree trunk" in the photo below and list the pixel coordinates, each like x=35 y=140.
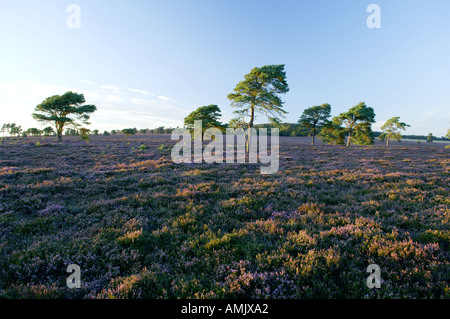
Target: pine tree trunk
x=314 y=134
x=250 y=125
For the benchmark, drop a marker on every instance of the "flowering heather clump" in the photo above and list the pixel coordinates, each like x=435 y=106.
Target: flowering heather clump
x=141 y=226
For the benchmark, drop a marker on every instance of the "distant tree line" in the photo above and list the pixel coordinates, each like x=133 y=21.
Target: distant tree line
x=16 y=130
x=425 y=137
x=258 y=93
x=12 y=129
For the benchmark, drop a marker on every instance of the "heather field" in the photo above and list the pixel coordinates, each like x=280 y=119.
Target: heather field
x=141 y=226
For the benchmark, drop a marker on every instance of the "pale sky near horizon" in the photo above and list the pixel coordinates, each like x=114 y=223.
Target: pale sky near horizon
x=150 y=63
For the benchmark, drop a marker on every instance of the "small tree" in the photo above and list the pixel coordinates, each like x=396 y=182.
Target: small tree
x=71 y=132
x=159 y=130
x=430 y=138
x=33 y=131
x=258 y=92
x=105 y=133
x=14 y=129
x=357 y=121
x=391 y=129
x=84 y=134
x=364 y=134
x=209 y=115
x=129 y=131
x=5 y=128
x=314 y=118
x=63 y=110
x=333 y=133
x=48 y=131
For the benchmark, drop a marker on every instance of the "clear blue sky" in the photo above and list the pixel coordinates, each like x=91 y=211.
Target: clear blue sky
x=150 y=63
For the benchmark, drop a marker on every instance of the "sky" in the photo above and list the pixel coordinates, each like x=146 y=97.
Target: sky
x=149 y=63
